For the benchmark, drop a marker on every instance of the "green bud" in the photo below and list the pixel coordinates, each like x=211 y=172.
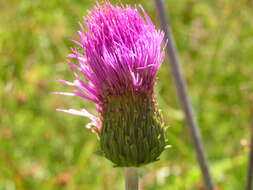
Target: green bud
x=132 y=131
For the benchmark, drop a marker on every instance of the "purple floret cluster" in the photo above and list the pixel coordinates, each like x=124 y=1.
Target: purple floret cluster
x=119 y=52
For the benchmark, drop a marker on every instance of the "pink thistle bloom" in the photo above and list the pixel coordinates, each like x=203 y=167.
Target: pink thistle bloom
x=119 y=55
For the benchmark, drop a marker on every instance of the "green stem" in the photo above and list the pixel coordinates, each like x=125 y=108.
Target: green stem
x=131 y=178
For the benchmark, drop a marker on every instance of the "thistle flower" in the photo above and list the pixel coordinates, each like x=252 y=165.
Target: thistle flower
x=119 y=55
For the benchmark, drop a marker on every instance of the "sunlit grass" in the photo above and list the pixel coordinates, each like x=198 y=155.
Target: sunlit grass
x=43 y=149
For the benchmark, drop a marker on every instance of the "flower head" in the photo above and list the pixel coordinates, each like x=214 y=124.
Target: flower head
x=118 y=56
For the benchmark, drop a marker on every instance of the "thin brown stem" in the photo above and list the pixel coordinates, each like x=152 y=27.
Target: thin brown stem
x=183 y=95
x=131 y=178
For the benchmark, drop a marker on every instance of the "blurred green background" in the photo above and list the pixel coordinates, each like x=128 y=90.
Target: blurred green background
x=41 y=149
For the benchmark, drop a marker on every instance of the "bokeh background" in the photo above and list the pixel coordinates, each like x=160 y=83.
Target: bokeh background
x=46 y=150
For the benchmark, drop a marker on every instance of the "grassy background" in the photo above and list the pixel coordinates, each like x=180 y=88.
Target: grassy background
x=45 y=150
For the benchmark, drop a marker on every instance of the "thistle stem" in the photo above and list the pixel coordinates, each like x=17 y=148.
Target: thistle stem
x=131 y=178
x=183 y=95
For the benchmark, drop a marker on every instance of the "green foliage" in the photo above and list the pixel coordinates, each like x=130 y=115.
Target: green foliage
x=45 y=150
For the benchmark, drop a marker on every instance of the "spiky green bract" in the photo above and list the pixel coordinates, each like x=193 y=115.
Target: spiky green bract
x=132 y=131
